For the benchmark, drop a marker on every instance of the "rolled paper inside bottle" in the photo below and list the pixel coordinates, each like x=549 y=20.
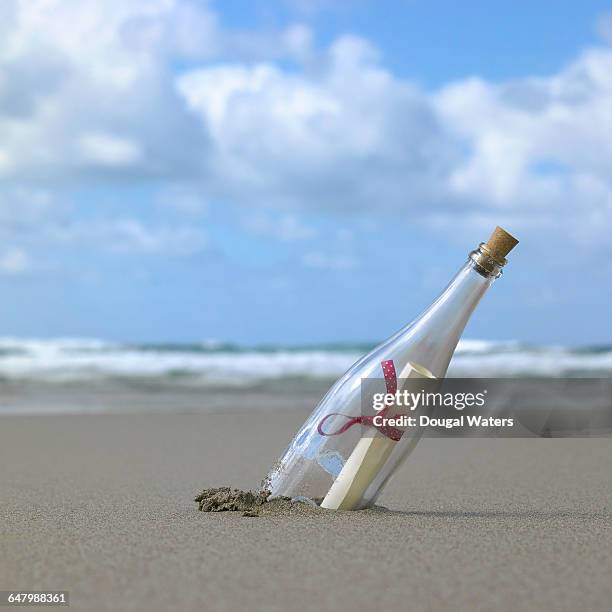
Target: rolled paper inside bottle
x=366 y=460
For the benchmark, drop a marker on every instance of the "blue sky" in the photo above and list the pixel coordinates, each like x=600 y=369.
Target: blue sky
x=175 y=170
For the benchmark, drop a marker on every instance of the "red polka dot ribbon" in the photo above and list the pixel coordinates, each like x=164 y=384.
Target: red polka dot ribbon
x=388 y=368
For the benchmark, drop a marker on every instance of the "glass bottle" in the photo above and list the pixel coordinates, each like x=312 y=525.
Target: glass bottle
x=331 y=460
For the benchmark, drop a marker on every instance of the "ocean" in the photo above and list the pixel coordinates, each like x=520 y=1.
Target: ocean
x=89 y=375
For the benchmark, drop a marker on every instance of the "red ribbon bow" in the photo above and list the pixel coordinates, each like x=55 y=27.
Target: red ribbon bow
x=388 y=368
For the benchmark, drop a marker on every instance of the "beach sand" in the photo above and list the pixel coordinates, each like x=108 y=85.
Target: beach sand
x=103 y=506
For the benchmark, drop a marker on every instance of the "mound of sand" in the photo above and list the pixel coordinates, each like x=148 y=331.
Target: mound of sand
x=251 y=503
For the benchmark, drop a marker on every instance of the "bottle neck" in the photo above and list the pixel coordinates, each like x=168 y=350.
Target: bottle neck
x=486 y=263
x=437 y=331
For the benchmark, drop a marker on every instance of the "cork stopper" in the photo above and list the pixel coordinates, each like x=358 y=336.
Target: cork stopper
x=500 y=243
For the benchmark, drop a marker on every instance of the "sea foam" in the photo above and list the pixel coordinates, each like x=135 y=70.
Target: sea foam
x=208 y=363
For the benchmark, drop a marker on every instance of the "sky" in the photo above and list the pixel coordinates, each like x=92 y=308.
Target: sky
x=301 y=171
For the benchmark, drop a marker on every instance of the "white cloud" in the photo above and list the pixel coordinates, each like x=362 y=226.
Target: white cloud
x=351 y=135
x=109 y=150
x=541 y=147
x=89 y=86
x=79 y=93
x=14 y=262
x=344 y=136
x=286 y=227
x=101 y=99
x=126 y=235
x=131 y=235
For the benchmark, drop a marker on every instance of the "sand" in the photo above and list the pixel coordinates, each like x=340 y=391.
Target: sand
x=103 y=506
